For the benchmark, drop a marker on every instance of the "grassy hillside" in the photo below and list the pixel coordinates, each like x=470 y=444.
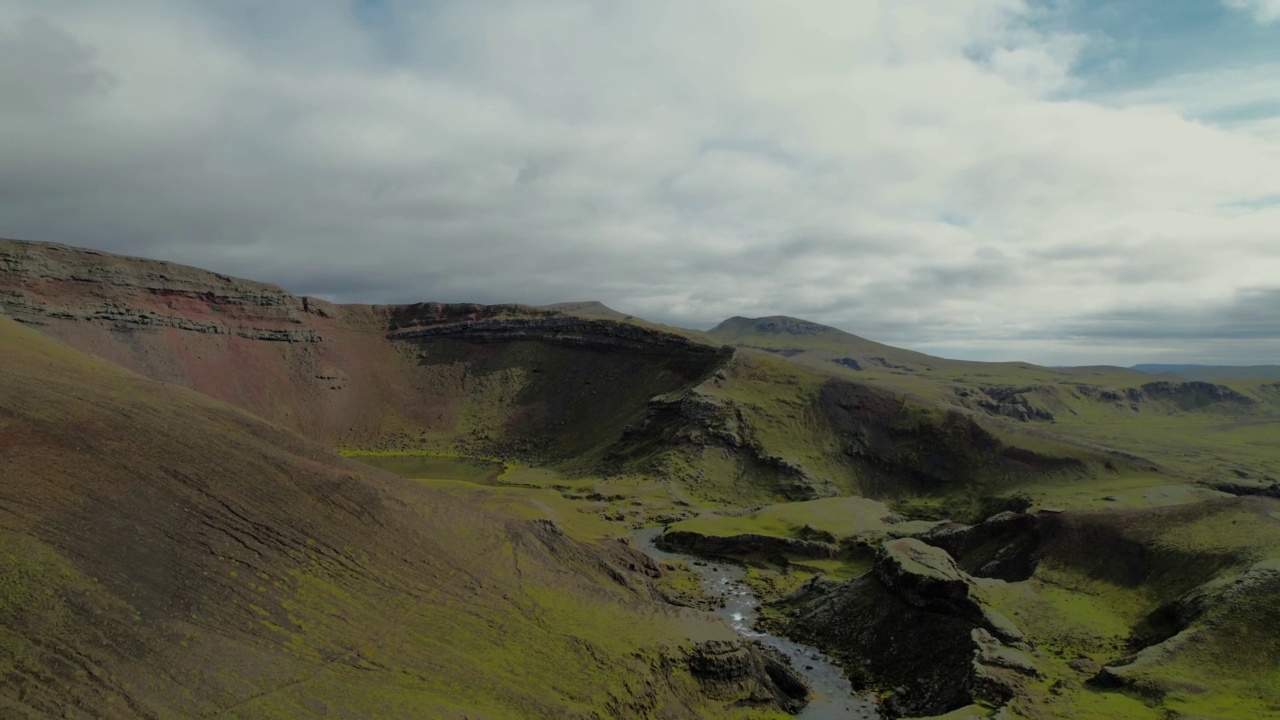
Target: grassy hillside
x=571 y=389
x=1193 y=429
x=584 y=391
x=166 y=555
x=763 y=429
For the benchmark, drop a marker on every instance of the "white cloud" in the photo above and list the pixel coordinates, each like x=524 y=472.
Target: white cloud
x=1264 y=11
x=898 y=168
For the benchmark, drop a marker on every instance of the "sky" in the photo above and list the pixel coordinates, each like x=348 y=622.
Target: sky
x=1059 y=181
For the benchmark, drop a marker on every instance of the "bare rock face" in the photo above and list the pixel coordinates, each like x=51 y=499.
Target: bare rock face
x=1012 y=402
x=48 y=283
x=916 y=626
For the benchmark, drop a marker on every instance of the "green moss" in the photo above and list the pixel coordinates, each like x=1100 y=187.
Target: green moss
x=772 y=585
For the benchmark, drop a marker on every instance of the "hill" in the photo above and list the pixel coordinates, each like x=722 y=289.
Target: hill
x=790 y=337
x=1207 y=429
x=499 y=380
x=589 y=308
x=1109 y=516
x=582 y=395
x=168 y=555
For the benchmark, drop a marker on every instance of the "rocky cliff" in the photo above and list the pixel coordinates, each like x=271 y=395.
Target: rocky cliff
x=504 y=380
x=916 y=628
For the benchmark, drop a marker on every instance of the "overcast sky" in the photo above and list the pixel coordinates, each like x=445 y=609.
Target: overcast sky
x=1064 y=181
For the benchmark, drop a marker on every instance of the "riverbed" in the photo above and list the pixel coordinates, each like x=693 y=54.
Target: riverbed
x=832 y=697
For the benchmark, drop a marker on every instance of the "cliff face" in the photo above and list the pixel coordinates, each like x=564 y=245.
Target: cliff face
x=918 y=624
x=502 y=380
x=43 y=284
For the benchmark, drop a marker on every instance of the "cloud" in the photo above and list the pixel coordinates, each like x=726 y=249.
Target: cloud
x=917 y=173
x=1264 y=11
x=1251 y=314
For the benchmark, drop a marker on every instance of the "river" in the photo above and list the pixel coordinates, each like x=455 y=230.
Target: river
x=832 y=697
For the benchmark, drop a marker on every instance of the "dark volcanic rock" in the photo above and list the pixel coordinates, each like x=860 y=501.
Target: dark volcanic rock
x=1013 y=402
x=1007 y=546
x=479 y=323
x=917 y=625
x=749 y=545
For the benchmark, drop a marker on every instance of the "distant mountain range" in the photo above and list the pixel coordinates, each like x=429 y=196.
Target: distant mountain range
x=1211 y=372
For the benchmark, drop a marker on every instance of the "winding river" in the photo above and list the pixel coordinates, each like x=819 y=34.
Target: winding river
x=833 y=697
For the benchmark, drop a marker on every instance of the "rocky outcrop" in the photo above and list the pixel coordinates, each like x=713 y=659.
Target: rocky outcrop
x=916 y=626
x=927 y=578
x=745 y=546
x=1012 y=402
x=501 y=323
x=748 y=674
x=1247 y=486
x=794 y=482
x=1189 y=395
x=1008 y=545
x=123 y=318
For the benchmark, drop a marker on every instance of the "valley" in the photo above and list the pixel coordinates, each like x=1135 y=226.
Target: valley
x=218 y=499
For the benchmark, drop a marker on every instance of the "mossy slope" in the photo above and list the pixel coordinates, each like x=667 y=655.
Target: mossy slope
x=165 y=555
